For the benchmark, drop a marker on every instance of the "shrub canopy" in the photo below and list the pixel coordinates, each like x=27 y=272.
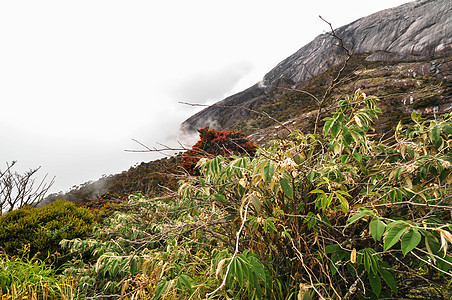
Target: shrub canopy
x=39 y=230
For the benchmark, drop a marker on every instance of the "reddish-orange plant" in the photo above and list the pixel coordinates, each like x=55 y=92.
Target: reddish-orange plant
x=212 y=143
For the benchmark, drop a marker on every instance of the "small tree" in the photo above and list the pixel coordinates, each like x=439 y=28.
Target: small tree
x=18 y=190
x=213 y=143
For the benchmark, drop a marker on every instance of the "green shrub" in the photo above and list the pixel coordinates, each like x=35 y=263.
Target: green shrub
x=43 y=228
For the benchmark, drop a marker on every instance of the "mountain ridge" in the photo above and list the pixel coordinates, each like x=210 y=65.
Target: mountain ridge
x=416 y=30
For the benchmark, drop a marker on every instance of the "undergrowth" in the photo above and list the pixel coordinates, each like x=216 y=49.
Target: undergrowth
x=24 y=278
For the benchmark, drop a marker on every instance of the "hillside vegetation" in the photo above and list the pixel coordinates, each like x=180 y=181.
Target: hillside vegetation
x=340 y=214
x=334 y=194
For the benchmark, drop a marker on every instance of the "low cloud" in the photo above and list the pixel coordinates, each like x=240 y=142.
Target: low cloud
x=209 y=86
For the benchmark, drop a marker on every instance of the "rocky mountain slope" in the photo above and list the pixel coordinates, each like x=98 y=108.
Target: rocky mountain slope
x=419 y=32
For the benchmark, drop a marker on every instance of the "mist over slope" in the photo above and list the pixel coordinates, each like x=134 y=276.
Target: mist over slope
x=416 y=31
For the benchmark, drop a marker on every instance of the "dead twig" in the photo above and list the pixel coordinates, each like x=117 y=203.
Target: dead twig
x=335 y=81
x=240 y=107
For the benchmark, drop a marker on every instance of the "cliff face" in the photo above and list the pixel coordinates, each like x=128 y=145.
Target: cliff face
x=420 y=30
x=416 y=30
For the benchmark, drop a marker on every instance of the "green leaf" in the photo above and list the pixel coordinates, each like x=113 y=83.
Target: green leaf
x=257 y=268
x=327 y=127
x=435 y=134
x=375 y=283
x=257 y=203
x=185 y=281
x=415 y=116
x=219 y=198
x=377 y=228
x=373 y=263
x=286 y=187
x=347 y=137
x=447 y=129
x=361 y=214
x=160 y=288
x=238 y=271
x=311 y=176
x=326 y=204
x=358 y=157
x=367 y=261
x=133 y=267
x=394 y=235
x=388 y=277
x=311 y=219
x=317 y=191
x=410 y=240
x=397 y=173
x=214 y=166
x=269 y=170
x=335 y=129
x=331 y=248
x=245 y=265
x=343 y=201
x=436 y=137
x=270 y=223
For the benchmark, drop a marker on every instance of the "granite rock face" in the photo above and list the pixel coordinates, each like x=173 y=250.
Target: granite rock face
x=419 y=29
x=414 y=31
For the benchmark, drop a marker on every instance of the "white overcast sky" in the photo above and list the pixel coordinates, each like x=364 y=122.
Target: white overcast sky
x=80 y=79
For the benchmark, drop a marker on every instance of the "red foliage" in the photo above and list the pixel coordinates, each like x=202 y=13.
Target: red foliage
x=212 y=143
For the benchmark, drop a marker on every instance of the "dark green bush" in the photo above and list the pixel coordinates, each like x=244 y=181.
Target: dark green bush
x=41 y=229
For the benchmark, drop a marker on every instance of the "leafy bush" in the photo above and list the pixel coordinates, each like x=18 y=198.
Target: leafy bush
x=40 y=229
x=214 y=143
x=338 y=214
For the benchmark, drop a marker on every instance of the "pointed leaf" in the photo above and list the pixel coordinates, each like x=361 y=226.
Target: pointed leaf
x=185 y=281
x=327 y=126
x=394 y=235
x=269 y=170
x=347 y=138
x=361 y=214
x=317 y=191
x=388 y=277
x=238 y=272
x=286 y=187
x=133 y=267
x=435 y=134
x=367 y=261
x=375 y=283
x=342 y=200
x=447 y=129
x=257 y=268
x=335 y=129
x=377 y=228
x=410 y=240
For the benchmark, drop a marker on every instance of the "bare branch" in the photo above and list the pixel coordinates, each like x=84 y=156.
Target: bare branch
x=241 y=107
x=161 y=150
x=18 y=190
x=334 y=82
